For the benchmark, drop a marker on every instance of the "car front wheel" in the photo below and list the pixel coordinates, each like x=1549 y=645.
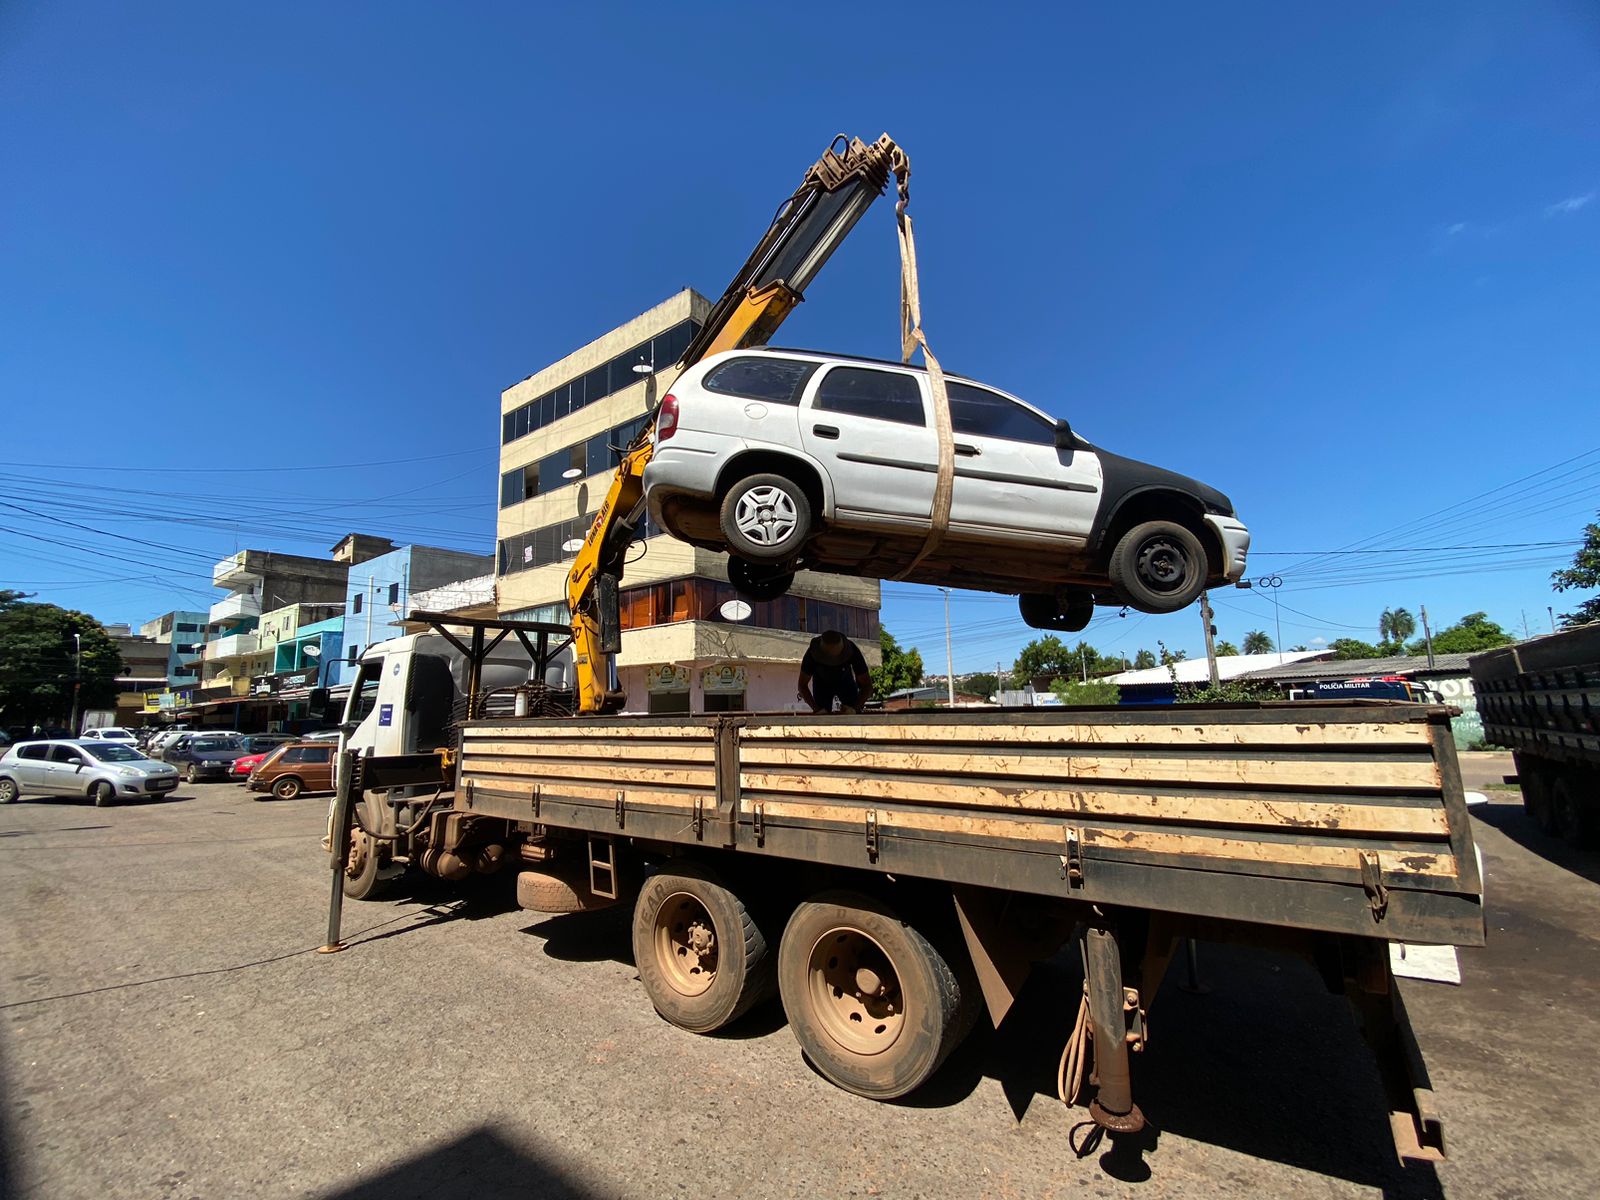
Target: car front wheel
x=1158 y=567
x=766 y=518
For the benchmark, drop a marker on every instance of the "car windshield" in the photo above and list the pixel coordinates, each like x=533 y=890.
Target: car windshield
x=203 y=745
x=111 y=752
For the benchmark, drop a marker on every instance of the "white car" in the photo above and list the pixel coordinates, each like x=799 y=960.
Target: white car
x=110 y=733
x=790 y=459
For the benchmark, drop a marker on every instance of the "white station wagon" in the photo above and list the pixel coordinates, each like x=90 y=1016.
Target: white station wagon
x=789 y=459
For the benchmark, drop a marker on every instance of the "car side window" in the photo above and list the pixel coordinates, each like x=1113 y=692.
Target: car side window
x=779 y=380
x=65 y=754
x=294 y=755
x=319 y=754
x=982 y=413
x=881 y=395
x=37 y=753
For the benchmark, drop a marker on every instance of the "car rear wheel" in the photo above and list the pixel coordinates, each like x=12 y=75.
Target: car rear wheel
x=1047 y=612
x=8 y=791
x=286 y=788
x=756 y=582
x=1158 y=567
x=191 y=774
x=766 y=518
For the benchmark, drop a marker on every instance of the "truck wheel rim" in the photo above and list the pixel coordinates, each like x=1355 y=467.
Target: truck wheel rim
x=686 y=944
x=855 y=991
x=766 y=515
x=1163 y=564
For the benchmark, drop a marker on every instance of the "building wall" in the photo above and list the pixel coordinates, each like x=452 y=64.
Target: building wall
x=378 y=593
x=768 y=657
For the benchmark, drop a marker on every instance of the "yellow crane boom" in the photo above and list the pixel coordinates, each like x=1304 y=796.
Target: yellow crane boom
x=837 y=189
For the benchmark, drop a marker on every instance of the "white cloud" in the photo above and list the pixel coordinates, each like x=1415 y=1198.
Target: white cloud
x=1565 y=208
x=1458 y=227
x=1319 y=641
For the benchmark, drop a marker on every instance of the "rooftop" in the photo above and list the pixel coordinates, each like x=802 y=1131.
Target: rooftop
x=1229 y=666
x=1346 y=668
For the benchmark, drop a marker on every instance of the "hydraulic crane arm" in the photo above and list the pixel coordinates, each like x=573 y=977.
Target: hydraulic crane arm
x=809 y=226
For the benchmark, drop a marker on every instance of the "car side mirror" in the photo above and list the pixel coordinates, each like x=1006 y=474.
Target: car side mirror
x=1064 y=438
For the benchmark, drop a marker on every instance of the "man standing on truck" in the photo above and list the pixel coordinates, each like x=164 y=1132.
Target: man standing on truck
x=834 y=669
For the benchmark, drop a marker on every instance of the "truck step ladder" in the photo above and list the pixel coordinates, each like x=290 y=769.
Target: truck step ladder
x=603 y=867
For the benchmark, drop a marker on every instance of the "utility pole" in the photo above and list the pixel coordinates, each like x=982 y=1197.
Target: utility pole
x=1551 y=609
x=1427 y=634
x=1211 y=639
x=77 y=680
x=1525 y=634
x=949 y=654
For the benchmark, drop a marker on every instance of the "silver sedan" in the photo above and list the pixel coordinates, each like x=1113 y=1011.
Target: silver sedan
x=102 y=771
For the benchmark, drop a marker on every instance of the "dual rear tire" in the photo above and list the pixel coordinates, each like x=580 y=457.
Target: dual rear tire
x=874 y=1003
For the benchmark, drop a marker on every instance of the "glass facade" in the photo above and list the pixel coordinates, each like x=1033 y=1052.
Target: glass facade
x=541 y=547
x=696 y=599
x=598 y=455
x=663 y=350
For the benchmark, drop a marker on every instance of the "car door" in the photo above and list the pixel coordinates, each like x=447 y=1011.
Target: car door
x=1011 y=480
x=316 y=768
x=65 y=771
x=31 y=767
x=869 y=428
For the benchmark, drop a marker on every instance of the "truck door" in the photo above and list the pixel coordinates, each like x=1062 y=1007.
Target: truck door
x=870 y=429
x=1009 y=475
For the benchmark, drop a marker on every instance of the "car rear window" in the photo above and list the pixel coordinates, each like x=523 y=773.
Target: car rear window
x=779 y=380
x=881 y=395
x=207 y=745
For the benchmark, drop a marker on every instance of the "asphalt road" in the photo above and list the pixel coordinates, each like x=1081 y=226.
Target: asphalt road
x=166 y=1031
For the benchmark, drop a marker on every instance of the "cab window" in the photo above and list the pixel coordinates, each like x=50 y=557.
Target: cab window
x=979 y=412
x=364 y=695
x=779 y=380
x=881 y=395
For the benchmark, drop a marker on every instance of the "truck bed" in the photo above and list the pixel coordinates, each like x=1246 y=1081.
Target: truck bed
x=1347 y=817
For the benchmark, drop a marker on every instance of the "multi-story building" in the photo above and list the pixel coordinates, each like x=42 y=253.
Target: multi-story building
x=561 y=432
x=381 y=583
x=144 y=673
x=184 y=633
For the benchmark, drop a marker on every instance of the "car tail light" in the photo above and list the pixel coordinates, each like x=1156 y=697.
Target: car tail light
x=667 y=418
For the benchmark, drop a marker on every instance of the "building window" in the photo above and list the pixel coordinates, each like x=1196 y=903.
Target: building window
x=864 y=392
x=669 y=704
x=779 y=380
x=543 y=546
x=696 y=599
x=188 y=628
x=663 y=350
x=355 y=603
x=394 y=593
x=724 y=702
x=355 y=654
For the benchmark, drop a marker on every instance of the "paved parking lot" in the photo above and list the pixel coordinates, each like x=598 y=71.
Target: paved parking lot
x=167 y=1032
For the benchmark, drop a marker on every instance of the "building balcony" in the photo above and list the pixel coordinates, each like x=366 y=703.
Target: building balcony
x=237 y=645
x=233 y=572
x=238 y=607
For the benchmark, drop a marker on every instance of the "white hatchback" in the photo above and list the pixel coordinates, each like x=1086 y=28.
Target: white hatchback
x=789 y=459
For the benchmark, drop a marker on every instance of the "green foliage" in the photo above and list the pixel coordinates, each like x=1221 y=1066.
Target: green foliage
x=1257 y=642
x=980 y=684
x=1351 y=648
x=1229 y=691
x=1050 y=656
x=901 y=668
x=1077 y=692
x=1168 y=657
x=1472 y=633
x=1224 y=650
x=1583 y=573
x=38 y=659
x=1395 y=625
x=1143 y=660
x=1297 y=649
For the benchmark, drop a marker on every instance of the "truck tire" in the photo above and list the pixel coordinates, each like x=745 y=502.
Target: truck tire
x=874 y=1004
x=766 y=518
x=702 y=956
x=1572 y=812
x=1158 y=567
x=361 y=880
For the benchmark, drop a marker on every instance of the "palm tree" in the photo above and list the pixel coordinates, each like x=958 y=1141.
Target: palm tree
x=1257 y=642
x=1396 y=625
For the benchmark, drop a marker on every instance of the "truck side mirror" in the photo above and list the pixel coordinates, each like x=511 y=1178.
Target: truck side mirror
x=1064 y=438
x=317 y=703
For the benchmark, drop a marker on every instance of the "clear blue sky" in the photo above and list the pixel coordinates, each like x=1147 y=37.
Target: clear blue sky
x=1344 y=265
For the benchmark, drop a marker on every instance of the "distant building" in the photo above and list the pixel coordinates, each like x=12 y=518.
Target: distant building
x=1157 y=685
x=1448 y=676
x=561 y=432
x=379 y=591
x=184 y=633
x=144 y=673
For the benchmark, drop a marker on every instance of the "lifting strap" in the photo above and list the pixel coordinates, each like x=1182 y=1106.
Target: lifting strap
x=911 y=337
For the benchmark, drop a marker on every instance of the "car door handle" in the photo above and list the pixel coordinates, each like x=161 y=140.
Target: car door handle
x=969 y=451
x=825 y=431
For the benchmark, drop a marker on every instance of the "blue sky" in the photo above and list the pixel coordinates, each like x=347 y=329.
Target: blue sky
x=1344 y=265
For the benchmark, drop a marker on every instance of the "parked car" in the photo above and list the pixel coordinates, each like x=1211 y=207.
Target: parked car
x=179 y=742
x=102 y=771
x=299 y=767
x=243 y=766
x=790 y=459
x=110 y=733
x=205 y=755
x=164 y=738
x=264 y=743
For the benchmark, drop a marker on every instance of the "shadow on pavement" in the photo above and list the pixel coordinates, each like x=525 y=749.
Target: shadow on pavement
x=600 y=936
x=482 y=1165
x=1510 y=820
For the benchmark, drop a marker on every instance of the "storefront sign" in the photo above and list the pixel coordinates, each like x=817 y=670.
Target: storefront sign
x=725 y=678
x=666 y=678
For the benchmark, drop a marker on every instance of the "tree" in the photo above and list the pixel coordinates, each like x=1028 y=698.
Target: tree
x=1345 y=648
x=1226 y=650
x=38 y=659
x=1583 y=573
x=1297 y=649
x=901 y=668
x=982 y=683
x=1257 y=642
x=1075 y=692
x=1472 y=633
x=1396 y=625
x=1168 y=657
x=1050 y=656
x=1143 y=660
